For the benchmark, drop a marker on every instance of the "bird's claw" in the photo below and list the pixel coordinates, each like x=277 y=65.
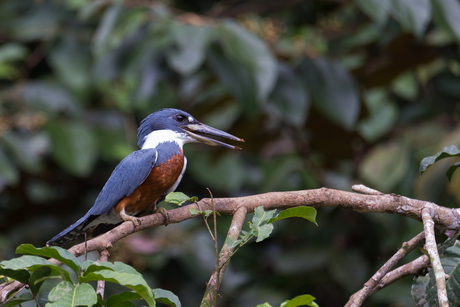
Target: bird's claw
x=126 y=217
x=164 y=212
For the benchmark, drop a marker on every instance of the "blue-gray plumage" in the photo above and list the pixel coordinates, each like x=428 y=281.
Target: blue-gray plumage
x=146 y=174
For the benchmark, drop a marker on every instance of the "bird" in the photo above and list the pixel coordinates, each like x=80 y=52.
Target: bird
x=144 y=176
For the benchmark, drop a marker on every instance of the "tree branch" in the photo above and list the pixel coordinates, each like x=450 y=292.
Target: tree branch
x=412 y=268
x=210 y=296
x=358 y=298
x=444 y=218
x=432 y=250
x=101 y=283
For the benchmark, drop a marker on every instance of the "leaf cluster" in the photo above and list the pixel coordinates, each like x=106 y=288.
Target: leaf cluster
x=73 y=288
x=424 y=289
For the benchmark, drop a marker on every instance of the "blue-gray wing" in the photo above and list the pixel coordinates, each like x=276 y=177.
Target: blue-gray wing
x=125 y=178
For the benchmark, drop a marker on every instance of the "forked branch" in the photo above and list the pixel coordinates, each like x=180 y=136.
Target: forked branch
x=376 y=202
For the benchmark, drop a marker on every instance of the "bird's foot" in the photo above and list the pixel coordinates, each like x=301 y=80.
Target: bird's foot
x=126 y=217
x=164 y=212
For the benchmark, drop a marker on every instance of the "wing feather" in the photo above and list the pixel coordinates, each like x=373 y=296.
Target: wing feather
x=125 y=178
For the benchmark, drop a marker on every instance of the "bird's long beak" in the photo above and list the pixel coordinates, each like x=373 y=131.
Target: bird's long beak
x=193 y=129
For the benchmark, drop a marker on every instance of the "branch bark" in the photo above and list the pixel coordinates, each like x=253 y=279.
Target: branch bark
x=358 y=298
x=432 y=250
x=212 y=289
x=444 y=218
x=101 y=283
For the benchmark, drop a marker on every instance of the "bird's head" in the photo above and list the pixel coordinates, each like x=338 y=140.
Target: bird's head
x=179 y=126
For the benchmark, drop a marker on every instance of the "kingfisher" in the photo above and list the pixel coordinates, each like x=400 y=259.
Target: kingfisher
x=145 y=175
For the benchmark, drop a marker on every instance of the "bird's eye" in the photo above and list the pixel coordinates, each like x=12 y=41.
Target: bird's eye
x=180 y=118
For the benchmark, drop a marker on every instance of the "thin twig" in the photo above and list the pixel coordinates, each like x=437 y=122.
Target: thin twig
x=414 y=267
x=360 y=188
x=432 y=250
x=209 y=298
x=21 y=286
x=358 y=298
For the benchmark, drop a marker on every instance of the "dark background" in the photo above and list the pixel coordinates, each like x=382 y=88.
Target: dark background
x=325 y=93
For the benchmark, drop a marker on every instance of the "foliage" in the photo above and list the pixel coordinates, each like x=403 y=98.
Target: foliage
x=446 y=152
x=325 y=93
x=424 y=287
x=34 y=270
x=301 y=300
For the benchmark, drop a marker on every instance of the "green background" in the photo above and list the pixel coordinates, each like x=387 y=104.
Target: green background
x=325 y=93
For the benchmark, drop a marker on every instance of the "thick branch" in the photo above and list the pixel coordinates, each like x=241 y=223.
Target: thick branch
x=444 y=218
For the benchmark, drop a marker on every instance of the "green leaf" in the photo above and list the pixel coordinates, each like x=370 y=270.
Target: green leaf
x=228 y=173
x=385 y=166
x=18 y=300
x=307 y=213
x=418 y=290
x=232 y=243
x=74 y=147
x=413 y=16
x=406 y=86
x=448 y=243
x=166 y=297
x=70 y=60
x=207 y=213
x=450 y=260
x=191 y=43
x=264 y=305
x=446 y=152
x=300 y=300
x=245 y=235
x=24 y=262
x=65 y=294
x=118 y=299
x=12 y=52
x=19 y=275
x=237 y=79
x=126 y=276
x=36 y=280
x=178 y=198
x=383 y=113
x=194 y=211
x=106 y=26
x=259 y=225
x=377 y=10
x=8 y=171
x=98 y=266
x=31 y=264
x=50 y=98
x=333 y=90
x=290 y=97
x=263 y=232
x=55 y=252
x=451 y=170
x=262 y=216
x=242 y=45
x=445 y=13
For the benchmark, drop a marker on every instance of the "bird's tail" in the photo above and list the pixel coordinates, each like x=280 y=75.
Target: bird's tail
x=72 y=232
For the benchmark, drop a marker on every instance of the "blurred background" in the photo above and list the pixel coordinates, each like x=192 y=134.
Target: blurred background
x=325 y=93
